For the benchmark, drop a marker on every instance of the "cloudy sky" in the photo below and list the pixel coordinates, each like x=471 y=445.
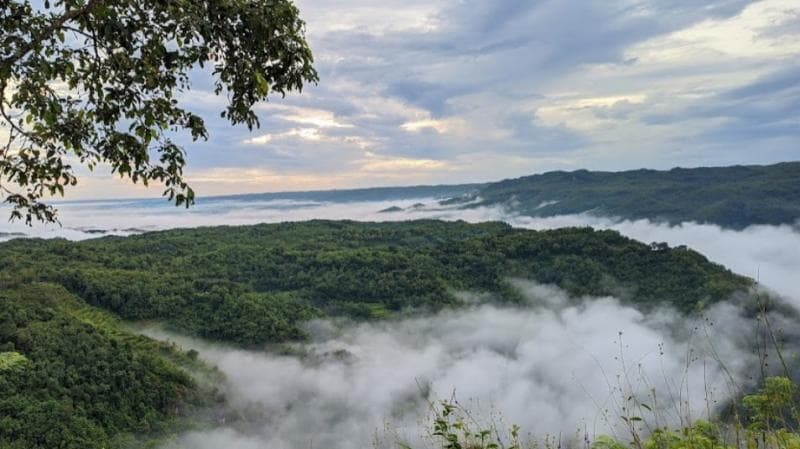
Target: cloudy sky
x=450 y=91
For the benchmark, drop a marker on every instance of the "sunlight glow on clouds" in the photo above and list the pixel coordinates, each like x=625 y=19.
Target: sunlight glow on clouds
x=312 y=134
x=317 y=117
x=368 y=171
x=469 y=91
x=440 y=126
x=585 y=113
x=377 y=164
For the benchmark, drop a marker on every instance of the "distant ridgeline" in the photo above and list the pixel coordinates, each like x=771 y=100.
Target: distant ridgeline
x=732 y=197
x=70 y=372
x=353 y=195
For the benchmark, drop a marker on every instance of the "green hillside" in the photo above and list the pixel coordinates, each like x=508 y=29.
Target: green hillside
x=71 y=377
x=732 y=197
x=255 y=284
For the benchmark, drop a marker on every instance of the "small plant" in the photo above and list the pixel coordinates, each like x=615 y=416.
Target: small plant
x=766 y=419
x=455 y=428
x=774 y=406
x=12 y=360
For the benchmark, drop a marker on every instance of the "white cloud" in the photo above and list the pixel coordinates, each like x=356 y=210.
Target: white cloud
x=741 y=36
x=364 y=17
x=394 y=164
x=307 y=134
x=259 y=140
x=440 y=126
x=316 y=117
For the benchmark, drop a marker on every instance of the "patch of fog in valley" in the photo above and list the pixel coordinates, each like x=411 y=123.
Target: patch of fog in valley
x=559 y=366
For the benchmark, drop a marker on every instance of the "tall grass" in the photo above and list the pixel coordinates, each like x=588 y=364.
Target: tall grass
x=763 y=415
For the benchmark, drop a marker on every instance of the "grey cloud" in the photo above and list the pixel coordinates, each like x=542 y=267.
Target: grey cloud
x=760 y=116
x=789 y=26
x=778 y=82
x=531 y=136
x=505 y=53
x=496 y=48
x=766 y=109
x=429 y=96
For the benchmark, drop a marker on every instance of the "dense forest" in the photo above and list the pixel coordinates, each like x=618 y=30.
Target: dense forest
x=72 y=377
x=732 y=197
x=251 y=285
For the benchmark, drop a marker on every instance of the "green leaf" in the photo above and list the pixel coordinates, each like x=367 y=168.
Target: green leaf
x=138 y=81
x=262 y=85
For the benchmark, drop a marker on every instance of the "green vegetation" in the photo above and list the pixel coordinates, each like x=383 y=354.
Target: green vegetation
x=93 y=83
x=255 y=284
x=12 y=360
x=770 y=420
x=71 y=377
x=732 y=197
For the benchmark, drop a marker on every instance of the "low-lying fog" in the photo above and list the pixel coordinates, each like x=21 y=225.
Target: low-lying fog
x=560 y=367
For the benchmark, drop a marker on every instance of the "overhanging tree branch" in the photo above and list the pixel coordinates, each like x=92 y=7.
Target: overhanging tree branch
x=48 y=31
x=115 y=103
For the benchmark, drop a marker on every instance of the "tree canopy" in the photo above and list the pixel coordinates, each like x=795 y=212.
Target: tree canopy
x=732 y=197
x=74 y=377
x=96 y=83
x=252 y=285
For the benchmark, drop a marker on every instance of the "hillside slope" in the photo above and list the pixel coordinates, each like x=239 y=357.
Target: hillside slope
x=733 y=197
x=72 y=378
x=255 y=284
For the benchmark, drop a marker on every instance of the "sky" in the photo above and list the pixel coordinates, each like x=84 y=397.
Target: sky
x=420 y=92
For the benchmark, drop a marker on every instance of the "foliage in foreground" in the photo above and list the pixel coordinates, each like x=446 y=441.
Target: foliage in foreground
x=769 y=421
x=96 y=83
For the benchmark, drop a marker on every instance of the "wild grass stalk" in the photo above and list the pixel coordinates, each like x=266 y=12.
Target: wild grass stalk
x=763 y=416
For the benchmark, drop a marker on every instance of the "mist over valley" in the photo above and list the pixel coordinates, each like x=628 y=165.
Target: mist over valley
x=557 y=342
x=405 y=224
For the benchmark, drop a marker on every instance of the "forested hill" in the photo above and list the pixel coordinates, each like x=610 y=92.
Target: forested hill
x=71 y=376
x=732 y=197
x=256 y=284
